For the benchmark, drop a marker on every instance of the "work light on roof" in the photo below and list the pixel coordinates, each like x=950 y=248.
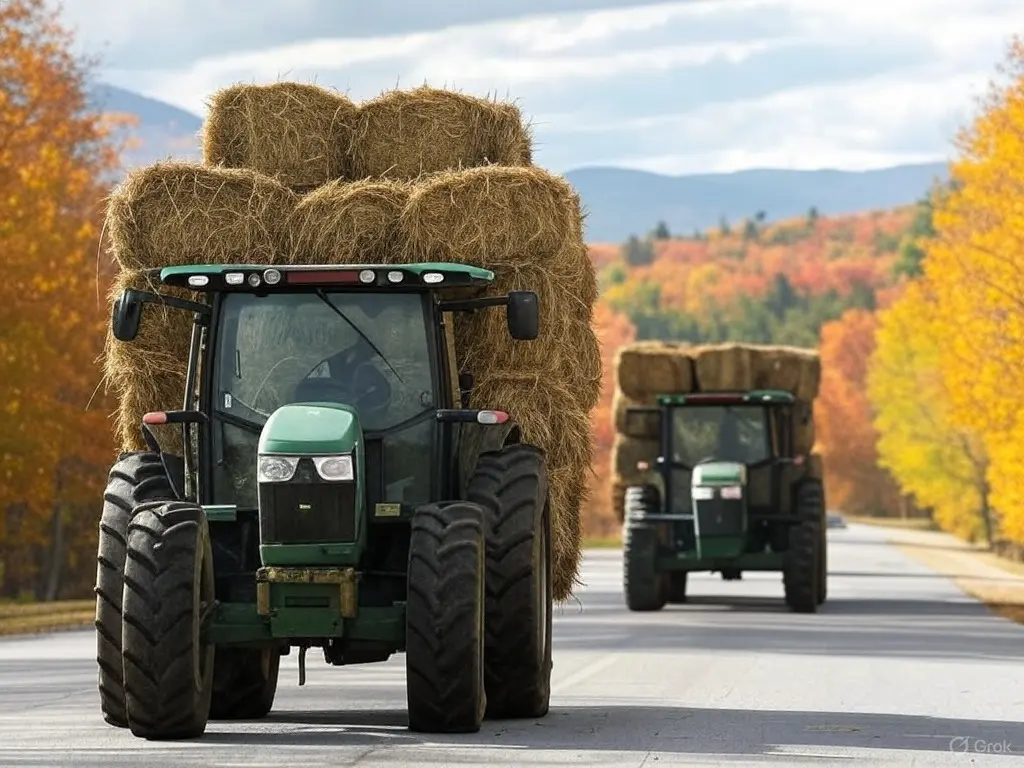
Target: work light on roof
x=254 y=279
x=367 y=276
x=272 y=277
x=198 y=281
x=234 y=278
x=433 y=277
x=394 y=276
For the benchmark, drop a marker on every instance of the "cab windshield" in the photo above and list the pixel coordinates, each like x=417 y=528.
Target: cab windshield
x=724 y=433
x=366 y=350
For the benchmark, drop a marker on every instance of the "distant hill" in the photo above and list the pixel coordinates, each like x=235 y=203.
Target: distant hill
x=619 y=201
x=623 y=202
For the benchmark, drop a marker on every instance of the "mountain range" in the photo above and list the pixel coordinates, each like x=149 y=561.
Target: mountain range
x=619 y=201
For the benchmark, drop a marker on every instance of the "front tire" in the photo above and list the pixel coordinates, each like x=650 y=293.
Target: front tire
x=801 y=573
x=244 y=682
x=511 y=485
x=444 y=653
x=135 y=479
x=168 y=592
x=645 y=588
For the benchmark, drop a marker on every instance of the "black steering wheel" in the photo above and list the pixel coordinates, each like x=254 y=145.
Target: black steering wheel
x=365 y=388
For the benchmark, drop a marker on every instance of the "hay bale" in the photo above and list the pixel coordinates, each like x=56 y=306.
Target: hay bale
x=404 y=134
x=646 y=427
x=296 y=133
x=148 y=374
x=816 y=466
x=654 y=367
x=627 y=451
x=803 y=434
x=344 y=222
x=792 y=369
x=174 y=213
x=524 y=225
x=724 y=367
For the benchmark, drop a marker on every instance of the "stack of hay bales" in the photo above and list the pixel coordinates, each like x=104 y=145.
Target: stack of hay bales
x=647 y=369
x=294 y=173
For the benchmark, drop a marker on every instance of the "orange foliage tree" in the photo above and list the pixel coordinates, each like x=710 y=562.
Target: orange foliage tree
x=54 y=154
x=846 y=435
x=614 y=331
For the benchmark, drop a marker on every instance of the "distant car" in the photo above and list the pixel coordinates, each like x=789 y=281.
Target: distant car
x=835 y=520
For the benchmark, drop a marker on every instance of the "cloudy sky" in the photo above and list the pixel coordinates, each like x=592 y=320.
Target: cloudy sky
x=675 y=87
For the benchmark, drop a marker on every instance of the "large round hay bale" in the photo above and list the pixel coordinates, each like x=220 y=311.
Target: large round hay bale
x=648 y=368
x=148 y=374
x=643 y=426
x=182 y=213
x=297 y=133
x=349 y=222
x=724 y=367
x=404 y=134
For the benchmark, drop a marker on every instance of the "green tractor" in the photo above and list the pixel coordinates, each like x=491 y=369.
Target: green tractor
x=728 y=494
x=336 y=492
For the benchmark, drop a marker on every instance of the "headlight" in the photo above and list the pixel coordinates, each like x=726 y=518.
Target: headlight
x=732 y=492
x=334 y=467
x=703 y=493
x=276 y=469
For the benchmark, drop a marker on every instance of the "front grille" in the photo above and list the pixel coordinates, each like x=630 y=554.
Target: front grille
x=307 y=509
x=720 y=517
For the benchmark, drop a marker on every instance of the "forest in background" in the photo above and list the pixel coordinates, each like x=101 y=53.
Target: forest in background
x=918 y=314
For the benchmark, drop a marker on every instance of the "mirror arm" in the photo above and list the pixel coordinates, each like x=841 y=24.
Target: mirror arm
x=469 y=305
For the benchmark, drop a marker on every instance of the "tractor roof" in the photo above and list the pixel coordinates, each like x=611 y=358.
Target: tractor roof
x=250 y=277
x=750 y=397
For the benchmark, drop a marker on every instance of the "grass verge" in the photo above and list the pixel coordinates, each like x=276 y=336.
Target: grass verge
x=32 y=618
x=602 y=542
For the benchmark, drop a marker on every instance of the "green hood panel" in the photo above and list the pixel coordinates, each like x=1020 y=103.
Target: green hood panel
x=719 y=473
x=311 y=429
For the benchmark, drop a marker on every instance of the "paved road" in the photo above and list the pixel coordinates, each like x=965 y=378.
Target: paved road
x=898 y=668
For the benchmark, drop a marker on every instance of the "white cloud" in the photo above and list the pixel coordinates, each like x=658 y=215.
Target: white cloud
x=562 y=68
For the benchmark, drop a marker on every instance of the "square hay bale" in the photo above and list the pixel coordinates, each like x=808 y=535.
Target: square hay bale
x=724 y=367
x=627 y=451
x=296 y=133
x=645 y=427
x=148 y=374
x=403 y=134
x=793 y=369
x=816 y=466
x=648 y=368
x=349 y=222
x=181 y=213
x=803 y=431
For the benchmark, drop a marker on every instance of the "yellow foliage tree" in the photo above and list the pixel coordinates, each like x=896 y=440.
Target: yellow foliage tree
x=975 y=270
x=943 y=466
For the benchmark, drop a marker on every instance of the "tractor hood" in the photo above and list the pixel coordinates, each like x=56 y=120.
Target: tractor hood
x=311 y=429
x=719 y=473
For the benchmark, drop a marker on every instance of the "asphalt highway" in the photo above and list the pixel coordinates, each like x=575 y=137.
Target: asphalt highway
x=899 y=668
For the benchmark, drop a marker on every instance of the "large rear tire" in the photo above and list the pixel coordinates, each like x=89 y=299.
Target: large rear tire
x=135 y=479
x=511 y=485
x=244 y=682
x=802 y=569
x=168 y=593
x=444 y=653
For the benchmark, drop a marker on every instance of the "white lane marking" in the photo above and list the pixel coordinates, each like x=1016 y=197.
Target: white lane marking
x=582 y=674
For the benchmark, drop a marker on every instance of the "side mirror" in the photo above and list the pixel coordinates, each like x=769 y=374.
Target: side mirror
x=523 y=313
x=643 y=420
x=127 y=315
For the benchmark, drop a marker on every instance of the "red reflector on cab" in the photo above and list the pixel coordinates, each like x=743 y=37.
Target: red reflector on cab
x=155 y=417
x=321 y=276
x=492 y=417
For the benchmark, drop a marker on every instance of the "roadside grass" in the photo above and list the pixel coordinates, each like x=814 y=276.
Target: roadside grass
x=602 y=542
x=910 y=523
x=17 y=618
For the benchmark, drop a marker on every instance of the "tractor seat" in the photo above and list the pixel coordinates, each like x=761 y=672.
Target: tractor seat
x=320 y=390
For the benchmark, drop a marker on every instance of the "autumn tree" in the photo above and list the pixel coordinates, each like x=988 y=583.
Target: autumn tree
x=56 y=154
x=975 y=268
x=846 y=436
x=942 y=465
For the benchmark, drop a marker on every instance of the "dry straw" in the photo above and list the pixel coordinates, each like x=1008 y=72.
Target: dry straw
x=354 y=222
x=297 y=133
x=148 y=374
x=181 y=213
x=404 y=134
